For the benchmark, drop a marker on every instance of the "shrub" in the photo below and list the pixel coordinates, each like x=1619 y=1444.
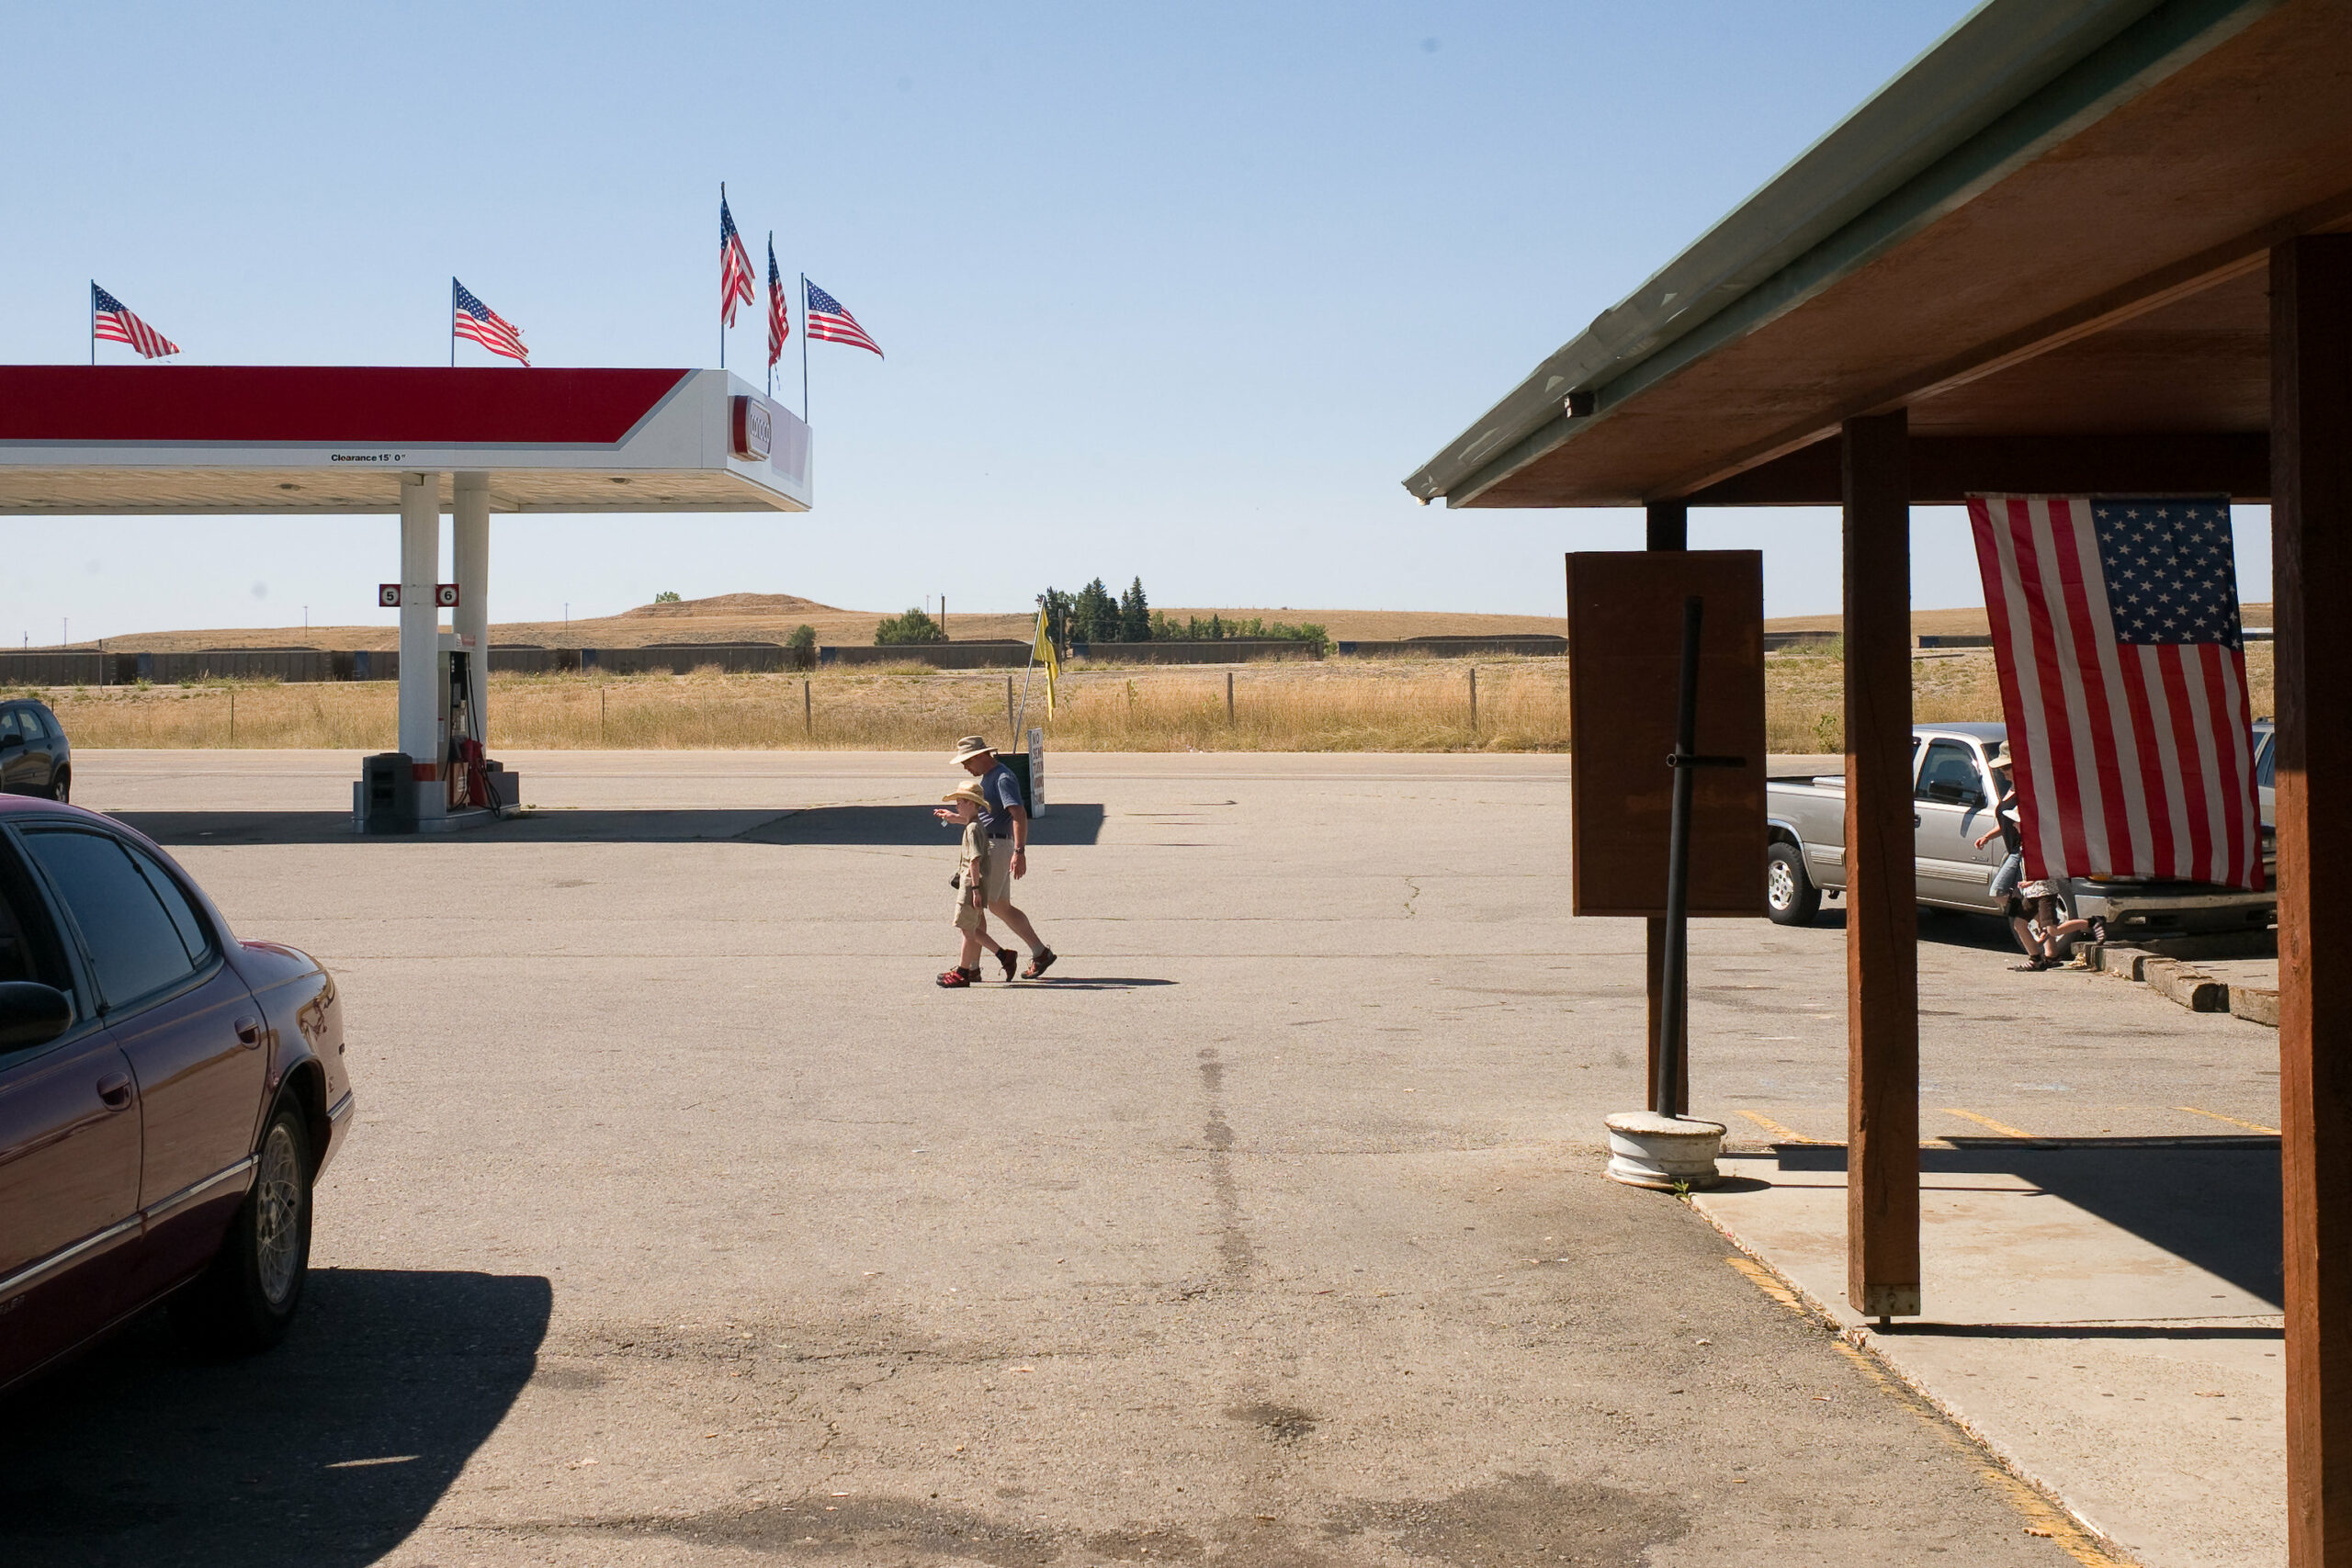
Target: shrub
x=667 y=596
x=803 y=645
x=912 y=627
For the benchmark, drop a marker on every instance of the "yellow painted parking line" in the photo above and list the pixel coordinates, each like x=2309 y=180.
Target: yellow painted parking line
x=2001 y=1127
x=2044 y=1516
x=1778 y=1131
x=1764 y=1280
x=2249 y=1127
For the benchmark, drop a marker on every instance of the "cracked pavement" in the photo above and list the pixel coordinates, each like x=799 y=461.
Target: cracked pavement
x=688 y=1222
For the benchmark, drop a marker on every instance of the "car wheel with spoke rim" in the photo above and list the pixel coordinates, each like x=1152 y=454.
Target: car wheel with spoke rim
x=60 y=784
x=245 y=1300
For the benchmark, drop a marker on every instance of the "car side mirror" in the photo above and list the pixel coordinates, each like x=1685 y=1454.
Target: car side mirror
x=32 y=1014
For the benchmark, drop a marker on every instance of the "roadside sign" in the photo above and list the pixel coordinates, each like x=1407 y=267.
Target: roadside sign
x=445 y=595
x=388 y=595
x=1625 y=611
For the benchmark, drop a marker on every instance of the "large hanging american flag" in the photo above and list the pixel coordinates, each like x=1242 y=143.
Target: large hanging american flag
x=474 y=319
x=111 y=320
x=735 y=275
x=2115 y=624
x=824 y=320
x=779 y=311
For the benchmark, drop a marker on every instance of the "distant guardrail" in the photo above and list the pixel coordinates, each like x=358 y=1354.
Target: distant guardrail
x=1530 y=644
x=1218 y=651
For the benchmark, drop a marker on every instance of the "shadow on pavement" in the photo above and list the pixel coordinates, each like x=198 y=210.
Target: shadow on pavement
x=327 y=1451
x=912 y=826
x=845 y=825
x=1946 y=928
x=2213 y=1202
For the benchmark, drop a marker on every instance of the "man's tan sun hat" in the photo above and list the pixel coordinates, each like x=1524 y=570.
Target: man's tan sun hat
x=2001 y=757
x=970 y=792
x=972 y=746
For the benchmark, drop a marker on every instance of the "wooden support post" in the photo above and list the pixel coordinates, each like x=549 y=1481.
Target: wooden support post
x=2310 y=532
x=1882 y=889
x=1665 y=526
x=1228 y=699
x=1012 y=721
x=1474 y=699
x=808 y=711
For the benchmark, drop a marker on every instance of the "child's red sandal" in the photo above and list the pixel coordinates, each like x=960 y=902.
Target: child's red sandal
x=955 y=979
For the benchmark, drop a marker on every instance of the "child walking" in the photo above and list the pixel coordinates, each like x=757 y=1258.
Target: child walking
x=964 y=804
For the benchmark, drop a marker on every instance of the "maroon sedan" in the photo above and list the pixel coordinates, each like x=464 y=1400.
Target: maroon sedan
x=168 y=1096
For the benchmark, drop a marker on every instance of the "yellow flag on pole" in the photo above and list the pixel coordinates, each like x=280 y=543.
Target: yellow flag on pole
x=1044 y=654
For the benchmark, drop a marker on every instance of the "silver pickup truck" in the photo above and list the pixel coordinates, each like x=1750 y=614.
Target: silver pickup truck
x=1951 y=804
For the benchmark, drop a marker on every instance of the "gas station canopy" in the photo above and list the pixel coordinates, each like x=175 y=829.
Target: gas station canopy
x=186 y=439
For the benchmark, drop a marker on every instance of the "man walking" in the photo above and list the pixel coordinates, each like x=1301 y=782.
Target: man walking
x=1005 y=818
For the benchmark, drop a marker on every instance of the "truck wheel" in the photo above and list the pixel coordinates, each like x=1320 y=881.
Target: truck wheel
x=1790 y=897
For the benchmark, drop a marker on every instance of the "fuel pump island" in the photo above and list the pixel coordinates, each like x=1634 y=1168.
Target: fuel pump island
x=415 y=443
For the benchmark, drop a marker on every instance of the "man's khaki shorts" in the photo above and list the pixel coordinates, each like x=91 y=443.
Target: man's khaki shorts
x=999 y=880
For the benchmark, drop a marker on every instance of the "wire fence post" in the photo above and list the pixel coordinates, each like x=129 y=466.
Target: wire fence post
x=600 y=716
x=808 y=711
x=1011 y=723
x=1228 y=699
x=1474 y=699
x=232 y=715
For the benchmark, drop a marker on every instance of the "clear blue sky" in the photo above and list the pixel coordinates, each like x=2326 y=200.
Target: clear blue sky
x=1176 y=291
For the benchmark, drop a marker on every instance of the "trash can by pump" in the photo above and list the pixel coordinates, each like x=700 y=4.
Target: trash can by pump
x=388 y=793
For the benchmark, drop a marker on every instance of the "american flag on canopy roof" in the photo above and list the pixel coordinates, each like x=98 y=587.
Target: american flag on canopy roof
x=111 y=320
x=735 y=275
x=779 y=312
x=2123 y=664
x=474 y=319
x=825 y=321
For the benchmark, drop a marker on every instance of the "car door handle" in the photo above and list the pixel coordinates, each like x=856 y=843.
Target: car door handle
x=249 y=1031
x=115 y=1090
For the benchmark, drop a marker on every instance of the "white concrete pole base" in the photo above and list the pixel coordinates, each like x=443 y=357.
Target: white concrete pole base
x=1646 y=1149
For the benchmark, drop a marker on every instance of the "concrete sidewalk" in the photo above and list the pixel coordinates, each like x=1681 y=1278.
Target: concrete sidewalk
x=2104 y=1313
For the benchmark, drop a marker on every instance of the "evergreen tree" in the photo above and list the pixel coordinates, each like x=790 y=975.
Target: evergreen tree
x=1061 y=611
x=1135 y=614
x=1097 y=615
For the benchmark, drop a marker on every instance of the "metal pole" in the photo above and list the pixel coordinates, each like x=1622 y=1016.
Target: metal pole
x=93 y=321
x=722 y=262
x=453 y=321
x=771 y=305
x=804 y=348
x=1668 y=1091
x=1028 y=673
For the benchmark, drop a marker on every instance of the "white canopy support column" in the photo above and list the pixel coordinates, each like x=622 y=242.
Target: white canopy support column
x=469 y=542
x=420 y=696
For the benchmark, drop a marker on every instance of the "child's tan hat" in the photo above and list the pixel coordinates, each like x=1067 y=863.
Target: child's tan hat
x=970 y=792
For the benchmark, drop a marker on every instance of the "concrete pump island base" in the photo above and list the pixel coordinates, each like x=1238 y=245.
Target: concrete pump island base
x=418 y=443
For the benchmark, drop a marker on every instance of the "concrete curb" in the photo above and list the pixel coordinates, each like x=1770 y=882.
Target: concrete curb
x=2055 y=1518
x=2179 y=980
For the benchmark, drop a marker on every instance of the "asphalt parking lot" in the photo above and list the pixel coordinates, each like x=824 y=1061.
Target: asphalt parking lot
x=687 y=1222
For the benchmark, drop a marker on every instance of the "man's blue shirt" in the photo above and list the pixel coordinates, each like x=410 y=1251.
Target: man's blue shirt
x=1002 y=791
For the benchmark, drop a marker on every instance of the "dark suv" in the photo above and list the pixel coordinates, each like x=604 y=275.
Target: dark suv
x=35 y=756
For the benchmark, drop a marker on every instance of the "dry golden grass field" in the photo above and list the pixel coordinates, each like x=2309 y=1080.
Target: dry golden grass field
x=1334 y=705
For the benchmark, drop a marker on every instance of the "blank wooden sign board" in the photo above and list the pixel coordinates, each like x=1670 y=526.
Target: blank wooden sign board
x=1625 y=684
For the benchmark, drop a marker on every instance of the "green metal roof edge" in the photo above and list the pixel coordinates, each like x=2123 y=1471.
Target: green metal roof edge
x=2013 y=79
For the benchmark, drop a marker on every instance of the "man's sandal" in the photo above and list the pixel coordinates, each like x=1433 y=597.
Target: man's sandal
x=1009 y=959
x=955 y=980
x=1039 y=964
